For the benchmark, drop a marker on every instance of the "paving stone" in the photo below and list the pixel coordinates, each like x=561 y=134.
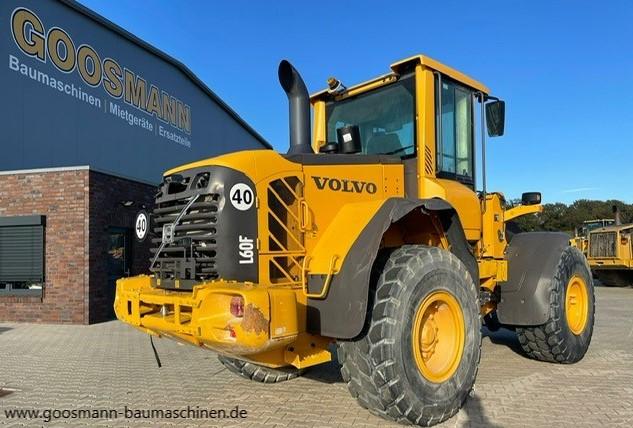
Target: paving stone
x=111 y=366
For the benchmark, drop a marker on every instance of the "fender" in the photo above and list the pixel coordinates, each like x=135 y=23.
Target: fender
x=342 y=313
x=532 y=261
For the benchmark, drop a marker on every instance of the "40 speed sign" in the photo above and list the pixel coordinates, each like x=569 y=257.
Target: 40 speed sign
x=141 y=225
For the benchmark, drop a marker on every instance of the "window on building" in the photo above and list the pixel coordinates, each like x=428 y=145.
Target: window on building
x=455 y=147
x=22 y=255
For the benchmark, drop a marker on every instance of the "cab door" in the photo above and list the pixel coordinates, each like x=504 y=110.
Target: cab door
x=455 y=149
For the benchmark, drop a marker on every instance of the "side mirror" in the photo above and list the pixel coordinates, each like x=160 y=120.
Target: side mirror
x=531 y=198
x=495 y=118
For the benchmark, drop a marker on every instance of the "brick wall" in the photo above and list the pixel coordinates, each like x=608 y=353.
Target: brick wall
x=81 y=207
x=61 y=197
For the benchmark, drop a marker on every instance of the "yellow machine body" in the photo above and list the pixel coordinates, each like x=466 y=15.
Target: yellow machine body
x=611 y=248
x=319 y=229
x=581 y=235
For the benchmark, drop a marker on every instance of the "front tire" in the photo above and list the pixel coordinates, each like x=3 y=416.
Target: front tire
x=418 y=359
x=259 y=373
x=566 y=336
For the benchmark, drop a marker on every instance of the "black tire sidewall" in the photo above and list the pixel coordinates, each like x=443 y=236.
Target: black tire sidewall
x=577 y=265
x=427 y=279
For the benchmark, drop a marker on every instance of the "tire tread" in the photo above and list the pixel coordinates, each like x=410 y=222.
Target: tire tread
x=547 y=342
x=258 y=373
x=370 y=376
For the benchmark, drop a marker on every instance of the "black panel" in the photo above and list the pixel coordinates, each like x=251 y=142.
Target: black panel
x=207 y=238
x=532 y=260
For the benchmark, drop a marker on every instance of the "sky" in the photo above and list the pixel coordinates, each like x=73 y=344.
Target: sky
x=564 y=68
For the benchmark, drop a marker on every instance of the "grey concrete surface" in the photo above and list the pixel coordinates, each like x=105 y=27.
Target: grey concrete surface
x=110 y=366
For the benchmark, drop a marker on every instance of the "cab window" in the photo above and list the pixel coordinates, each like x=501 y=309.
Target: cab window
x=455 y=120
x=385 y=117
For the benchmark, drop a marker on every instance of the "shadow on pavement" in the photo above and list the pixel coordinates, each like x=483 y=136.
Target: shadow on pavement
x=476 y=415
x=506 y=337
x=326 y=373
x=4 y=329
x=331 y=372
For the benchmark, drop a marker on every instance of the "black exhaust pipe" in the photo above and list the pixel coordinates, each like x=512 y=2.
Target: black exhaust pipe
x=616 y=214
x=299 y=101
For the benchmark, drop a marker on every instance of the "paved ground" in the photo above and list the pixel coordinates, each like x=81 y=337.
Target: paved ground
x=109 y=366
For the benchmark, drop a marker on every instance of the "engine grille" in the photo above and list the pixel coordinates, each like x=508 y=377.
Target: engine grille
x=192 y=255
x=602 y=244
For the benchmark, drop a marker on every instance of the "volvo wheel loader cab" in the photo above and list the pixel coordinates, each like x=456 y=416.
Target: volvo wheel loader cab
x=372 y=234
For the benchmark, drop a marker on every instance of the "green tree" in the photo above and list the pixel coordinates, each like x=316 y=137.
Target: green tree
x=566 y=218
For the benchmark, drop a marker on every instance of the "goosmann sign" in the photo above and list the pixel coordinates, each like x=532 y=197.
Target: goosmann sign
x=56 y=45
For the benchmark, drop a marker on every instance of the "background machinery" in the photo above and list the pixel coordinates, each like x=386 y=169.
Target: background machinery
x=610 y=252
x=371 y=235
x=581 y=234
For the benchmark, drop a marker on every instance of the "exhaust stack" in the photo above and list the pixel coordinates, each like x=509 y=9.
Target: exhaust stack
x=299 y=103
x=616 y=214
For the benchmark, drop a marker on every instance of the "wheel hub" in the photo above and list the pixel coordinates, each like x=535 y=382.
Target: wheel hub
x=438 y=336
x=429 y=338
x=576 y=304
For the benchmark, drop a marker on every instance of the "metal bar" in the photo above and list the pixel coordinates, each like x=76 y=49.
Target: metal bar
x=438 y=122
x=174 y=208
x=281 y=201
x=483 y=149
x=184 y=210
x=191 y=227
x=282 y=270
x=283 y=180
x=281 y=223
x=194 y=216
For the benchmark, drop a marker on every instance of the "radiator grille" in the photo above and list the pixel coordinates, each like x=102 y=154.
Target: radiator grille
x=192 y=255
x=285 y=237
x=602 y=244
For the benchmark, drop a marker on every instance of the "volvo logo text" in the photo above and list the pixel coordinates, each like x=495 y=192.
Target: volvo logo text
x=343 y=185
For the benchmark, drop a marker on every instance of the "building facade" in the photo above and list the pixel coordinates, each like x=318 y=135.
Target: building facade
x=94 y=116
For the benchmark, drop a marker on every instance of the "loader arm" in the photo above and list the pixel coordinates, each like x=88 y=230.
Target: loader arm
x=522 y=210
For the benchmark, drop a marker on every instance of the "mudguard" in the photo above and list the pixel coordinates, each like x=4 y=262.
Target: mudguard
x=532 y=261
x=342 y=313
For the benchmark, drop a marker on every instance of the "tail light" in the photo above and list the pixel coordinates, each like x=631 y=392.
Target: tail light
x=237 y=306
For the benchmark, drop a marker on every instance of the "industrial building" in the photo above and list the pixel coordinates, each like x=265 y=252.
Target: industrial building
x=92 y=116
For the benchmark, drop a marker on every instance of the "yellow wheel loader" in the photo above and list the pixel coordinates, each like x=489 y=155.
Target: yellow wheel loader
x=581 y=234
x=610 y=252
x=369 y=234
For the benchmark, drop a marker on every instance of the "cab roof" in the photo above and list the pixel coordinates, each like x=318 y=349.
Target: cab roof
x=598 y=220
x=614 y=228
x=407 y=63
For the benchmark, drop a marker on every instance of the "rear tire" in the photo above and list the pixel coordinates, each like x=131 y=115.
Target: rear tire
x=566 y=336
x=614 y=278
x=417 y=360
x=259 y=373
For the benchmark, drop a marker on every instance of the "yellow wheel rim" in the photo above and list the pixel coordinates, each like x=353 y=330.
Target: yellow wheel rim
x=576 y=304
x=438 y=336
